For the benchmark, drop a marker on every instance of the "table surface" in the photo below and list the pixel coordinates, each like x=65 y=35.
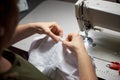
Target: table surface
x=107 y=41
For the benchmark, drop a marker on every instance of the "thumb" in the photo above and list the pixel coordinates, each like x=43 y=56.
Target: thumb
x=53 y=36
x=66 y=43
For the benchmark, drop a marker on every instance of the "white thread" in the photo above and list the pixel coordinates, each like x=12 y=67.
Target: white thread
x=61 y=39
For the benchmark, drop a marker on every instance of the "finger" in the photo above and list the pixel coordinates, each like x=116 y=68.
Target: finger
x=53 y=36
x=66 y=43
x=69 y=37
x=61 y=33
x=56 y=29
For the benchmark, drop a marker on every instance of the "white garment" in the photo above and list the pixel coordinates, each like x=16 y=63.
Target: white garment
x=53 y=59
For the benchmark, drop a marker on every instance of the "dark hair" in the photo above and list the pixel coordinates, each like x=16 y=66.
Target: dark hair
x=6 y=9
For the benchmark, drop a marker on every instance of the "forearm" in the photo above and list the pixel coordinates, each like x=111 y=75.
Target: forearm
x=22 y=32
x=87 y=71
x=50 y=28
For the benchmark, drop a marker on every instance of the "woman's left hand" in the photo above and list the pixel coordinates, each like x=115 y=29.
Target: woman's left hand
x=50 y=28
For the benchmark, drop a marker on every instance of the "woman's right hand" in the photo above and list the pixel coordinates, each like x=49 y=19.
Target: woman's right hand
x=74 y=42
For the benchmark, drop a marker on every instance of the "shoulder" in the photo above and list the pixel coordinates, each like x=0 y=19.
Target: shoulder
x=21 y=68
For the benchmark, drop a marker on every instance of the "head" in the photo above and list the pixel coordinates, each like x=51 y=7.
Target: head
x=8 y=21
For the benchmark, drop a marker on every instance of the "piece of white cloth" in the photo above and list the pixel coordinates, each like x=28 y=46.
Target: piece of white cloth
x=54 y=60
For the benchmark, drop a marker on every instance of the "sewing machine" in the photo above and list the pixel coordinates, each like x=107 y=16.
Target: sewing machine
x=91 y=13
x=96 y=15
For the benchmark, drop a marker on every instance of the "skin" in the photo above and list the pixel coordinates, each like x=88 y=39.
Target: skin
x=14 y=33
x=50 y=28
x=75 y=43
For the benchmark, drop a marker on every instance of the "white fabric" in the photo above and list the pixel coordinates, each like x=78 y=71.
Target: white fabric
x=53 y=59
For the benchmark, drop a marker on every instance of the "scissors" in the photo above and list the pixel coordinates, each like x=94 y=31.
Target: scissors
x=114 y=66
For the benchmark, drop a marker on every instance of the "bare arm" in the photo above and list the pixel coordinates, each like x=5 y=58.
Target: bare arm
x=86 y=70
x=22 y=32
x=50 y=28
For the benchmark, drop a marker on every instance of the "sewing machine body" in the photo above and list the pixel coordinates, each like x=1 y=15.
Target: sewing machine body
x=100 y=13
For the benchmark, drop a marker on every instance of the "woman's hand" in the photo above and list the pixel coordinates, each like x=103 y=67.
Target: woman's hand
x=74 y=42
x=50 y=28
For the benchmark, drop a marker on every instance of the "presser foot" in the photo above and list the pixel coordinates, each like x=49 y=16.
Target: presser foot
x=89 y=41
